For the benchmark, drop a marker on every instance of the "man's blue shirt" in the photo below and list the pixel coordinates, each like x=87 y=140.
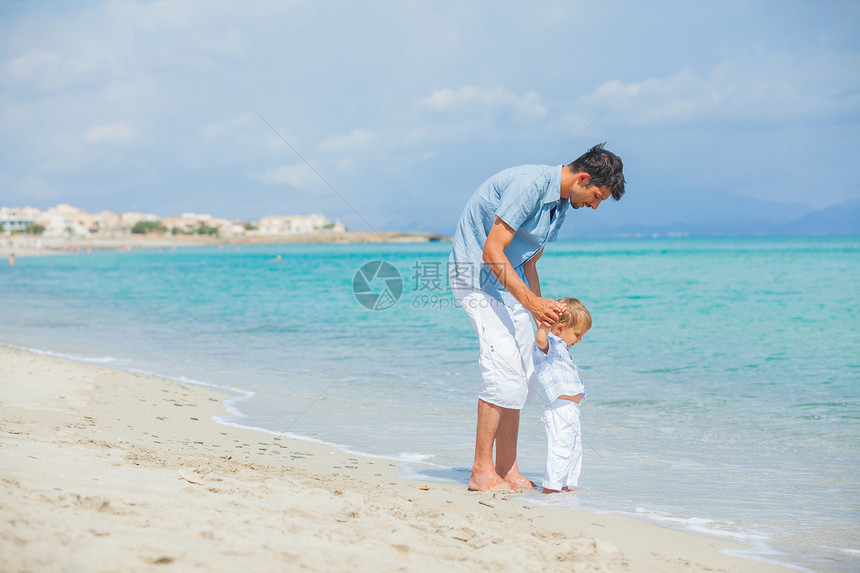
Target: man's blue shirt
x=528 y=198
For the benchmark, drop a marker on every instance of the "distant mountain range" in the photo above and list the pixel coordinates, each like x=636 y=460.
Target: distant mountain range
x=669 y=213
x=739 y=217
x=840 y=219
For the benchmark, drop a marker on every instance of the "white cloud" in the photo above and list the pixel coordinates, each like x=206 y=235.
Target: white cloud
x=193 y=35
x=772 y=88
x=298 y=175
x=465 y=114
x=248 y=132
x=409 y=135
x=139 y=92
x=359 y=141
x=447 y=99
x=51 y=51
x=44 y=69
x=111 y=133
x=230 y=127
x=32 y=64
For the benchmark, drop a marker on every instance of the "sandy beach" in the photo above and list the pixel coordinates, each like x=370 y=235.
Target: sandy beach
x=106 y=470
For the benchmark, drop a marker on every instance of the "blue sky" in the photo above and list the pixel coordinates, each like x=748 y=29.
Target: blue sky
x=405 y=107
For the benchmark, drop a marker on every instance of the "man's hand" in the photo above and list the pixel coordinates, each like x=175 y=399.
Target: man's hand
x=546 y=311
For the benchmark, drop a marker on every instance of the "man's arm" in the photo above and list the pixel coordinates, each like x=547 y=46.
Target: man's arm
x=530 y=268
x=544 y=310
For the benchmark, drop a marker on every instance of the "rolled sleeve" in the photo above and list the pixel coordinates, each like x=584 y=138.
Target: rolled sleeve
x=520 y=200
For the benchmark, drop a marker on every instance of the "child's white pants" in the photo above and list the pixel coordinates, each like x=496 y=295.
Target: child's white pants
x=564 y=444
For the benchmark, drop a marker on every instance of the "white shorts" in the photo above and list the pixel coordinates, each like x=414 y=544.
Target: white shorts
x=506 y=339
x=563 y=444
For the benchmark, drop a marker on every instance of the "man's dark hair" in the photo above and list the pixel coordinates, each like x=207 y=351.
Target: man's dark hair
x=604 y=167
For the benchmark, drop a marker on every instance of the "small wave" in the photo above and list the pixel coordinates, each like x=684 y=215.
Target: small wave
x=757 y=548
x=64 y=356
x=846 y=550
x=762 y=553
x=242 y=394
x=433 y=472
x=404 y=457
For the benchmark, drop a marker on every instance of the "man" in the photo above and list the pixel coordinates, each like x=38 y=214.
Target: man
x=492 y=269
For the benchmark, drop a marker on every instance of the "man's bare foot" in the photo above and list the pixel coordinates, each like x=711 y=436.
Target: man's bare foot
x=516 y=480
x=489 y=481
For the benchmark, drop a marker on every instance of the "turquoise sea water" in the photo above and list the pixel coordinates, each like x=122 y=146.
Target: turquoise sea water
x=723 y=375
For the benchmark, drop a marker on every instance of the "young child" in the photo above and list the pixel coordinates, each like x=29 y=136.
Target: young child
x=559 y=378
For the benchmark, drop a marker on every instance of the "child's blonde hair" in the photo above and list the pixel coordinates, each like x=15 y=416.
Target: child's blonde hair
x=579 y=315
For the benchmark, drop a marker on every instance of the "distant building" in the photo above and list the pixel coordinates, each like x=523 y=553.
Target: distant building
x=285 y=224
x=128 y=220
x=182 y=224
x=224 y=226
x=66 y=221
x=17 y=219
x=191 y=222
x=107 y=223
x=237 y=228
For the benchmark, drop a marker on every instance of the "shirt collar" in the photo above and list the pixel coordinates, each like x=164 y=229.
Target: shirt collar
x=553 y=195
x=558 y=343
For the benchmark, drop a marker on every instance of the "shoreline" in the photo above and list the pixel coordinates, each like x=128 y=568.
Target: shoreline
x=90 y=462
x=28 y=245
